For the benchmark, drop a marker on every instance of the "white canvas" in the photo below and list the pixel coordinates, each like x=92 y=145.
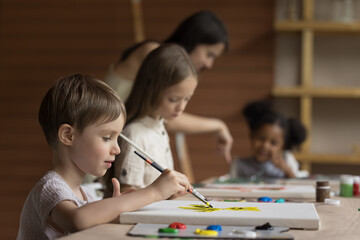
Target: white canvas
x=258 y=190
x=292 y=215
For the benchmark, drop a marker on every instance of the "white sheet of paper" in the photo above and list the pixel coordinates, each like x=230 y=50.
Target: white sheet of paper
x=292 y=215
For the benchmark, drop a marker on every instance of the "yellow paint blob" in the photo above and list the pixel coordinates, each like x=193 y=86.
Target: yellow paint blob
x=206 y=232
x=243 y=209
x=203 y=208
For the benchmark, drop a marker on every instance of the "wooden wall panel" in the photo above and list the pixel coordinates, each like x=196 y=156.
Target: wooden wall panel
x=41 y=40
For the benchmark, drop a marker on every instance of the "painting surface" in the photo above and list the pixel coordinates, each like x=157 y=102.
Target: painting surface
x=292 y=215
x=257 y=190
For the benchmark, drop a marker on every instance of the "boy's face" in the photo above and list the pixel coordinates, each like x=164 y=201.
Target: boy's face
x=175 y=99
x=267 y=142
x=93 y=150
x=203 y=56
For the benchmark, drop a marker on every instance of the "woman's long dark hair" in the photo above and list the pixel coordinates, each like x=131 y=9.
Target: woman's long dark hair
x=200 y=28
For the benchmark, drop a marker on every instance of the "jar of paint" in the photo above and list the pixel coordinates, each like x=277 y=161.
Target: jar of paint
x=346 y=185
x=322 y=191
x=356 y=186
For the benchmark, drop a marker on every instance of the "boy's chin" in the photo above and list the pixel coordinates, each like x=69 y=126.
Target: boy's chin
x=99 y=174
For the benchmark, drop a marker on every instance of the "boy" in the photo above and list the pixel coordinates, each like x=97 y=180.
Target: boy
x=82 y=118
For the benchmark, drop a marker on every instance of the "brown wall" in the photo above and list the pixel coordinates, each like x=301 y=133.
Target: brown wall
x=41 y=40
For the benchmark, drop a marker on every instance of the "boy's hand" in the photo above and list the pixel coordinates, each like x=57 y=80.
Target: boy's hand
x=116 y=188
x=171 y=183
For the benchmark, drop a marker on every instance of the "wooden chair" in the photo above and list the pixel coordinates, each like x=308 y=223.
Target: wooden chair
x=183 y=156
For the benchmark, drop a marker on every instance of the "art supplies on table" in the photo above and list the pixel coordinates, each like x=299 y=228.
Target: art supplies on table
x=334 y=180
x=292 y=215
x=257 y=190
x=200 y=231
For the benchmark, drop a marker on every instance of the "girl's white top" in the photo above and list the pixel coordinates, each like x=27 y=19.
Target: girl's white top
x=151 y=136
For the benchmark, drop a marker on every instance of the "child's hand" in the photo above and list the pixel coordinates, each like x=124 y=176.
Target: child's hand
x=171 y=183
x=116 y=188
x=278 y=159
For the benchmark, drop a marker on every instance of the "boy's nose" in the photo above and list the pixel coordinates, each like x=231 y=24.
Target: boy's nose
x=116 y=149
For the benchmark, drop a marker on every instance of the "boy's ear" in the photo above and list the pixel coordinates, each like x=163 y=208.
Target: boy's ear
x=66 y=134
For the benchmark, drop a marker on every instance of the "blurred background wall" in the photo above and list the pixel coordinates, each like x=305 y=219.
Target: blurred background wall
x=41 y=40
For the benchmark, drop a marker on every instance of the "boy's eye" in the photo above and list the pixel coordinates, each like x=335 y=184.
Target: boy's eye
x=106 y=139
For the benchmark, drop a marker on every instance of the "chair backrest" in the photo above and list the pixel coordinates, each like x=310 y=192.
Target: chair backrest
x=183 y=156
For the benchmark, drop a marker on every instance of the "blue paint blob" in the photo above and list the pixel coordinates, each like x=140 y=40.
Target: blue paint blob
x=280 y=200
x=264 y=199
x=217 y=228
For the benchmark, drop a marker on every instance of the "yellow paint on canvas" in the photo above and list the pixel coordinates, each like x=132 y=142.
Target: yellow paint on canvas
x=203 y=208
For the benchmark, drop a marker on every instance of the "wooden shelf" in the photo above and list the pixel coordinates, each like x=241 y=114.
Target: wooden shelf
x=308 y=27
x=328 y=158
x=317 y=26
x=317 y=92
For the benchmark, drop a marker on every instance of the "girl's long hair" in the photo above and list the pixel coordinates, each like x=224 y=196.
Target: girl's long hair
x=164 y=67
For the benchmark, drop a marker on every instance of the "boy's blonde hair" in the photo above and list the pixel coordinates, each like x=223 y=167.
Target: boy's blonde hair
x=78 y=100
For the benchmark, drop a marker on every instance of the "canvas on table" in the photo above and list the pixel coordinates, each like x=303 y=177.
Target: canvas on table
x=292 y=215
x=258 y=190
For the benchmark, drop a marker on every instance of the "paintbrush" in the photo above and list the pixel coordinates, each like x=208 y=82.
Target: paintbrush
x=160 y=168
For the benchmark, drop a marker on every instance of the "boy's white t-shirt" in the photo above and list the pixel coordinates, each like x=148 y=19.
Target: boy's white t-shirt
x=45 y=195
x=151 y=136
